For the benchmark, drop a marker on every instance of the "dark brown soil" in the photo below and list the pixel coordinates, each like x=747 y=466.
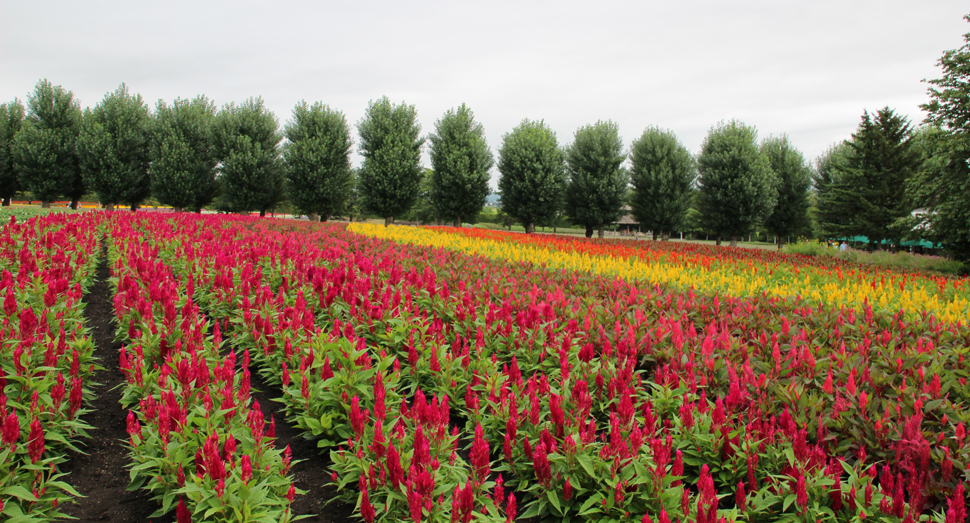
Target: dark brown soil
x=101 y=474
x=310 y=474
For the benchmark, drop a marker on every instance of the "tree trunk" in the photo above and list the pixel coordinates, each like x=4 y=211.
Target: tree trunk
x=74 y=204
x=530 y=228
x=388 y=220
x=262 y=213
x=109 y=207
x=458 y=222
x=717 y=241
x=781 y=242
x=134 y=207
x=176 y=209
x=600 y=232
x=45 y=204
x=734 y=241
x=589 y=231
x=6 y=202
x=324 y=218
x=313 y=217
x=653 y=235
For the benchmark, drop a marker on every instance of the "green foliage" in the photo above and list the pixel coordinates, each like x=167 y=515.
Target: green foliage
x=318 y=160
x=663 y=173
x=43 y=148
x=949 y=109
x=390 y=143
x=533 y=174
x=11 y=118
x=899 y=260
x=790 y=216
x=113 y=149
x=183 y=158
x=460 y=161
x=871 y=189
x=246 y=138
x=738 y=189
x=597 y=184
x=825 y=177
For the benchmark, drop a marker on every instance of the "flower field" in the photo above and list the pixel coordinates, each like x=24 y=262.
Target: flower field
x=458 y=375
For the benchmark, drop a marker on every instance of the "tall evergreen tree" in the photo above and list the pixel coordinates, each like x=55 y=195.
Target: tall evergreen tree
x=949 y=193
x=390 y=175
x=43 y=149
x=11 y=118
x=597 y=186
x=318 y=160
x=460 y=161
x=663 y=174
x=790 y=215
x=738 y=189
x=826 y=176
x=183 y=168
x=247 y=142
x=533 y=174
x=871 y=192
x=113 y=148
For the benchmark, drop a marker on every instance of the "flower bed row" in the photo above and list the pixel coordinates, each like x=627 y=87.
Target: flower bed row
x=199 y=443
x=46 y=359
x=734 y=272
x=582 y=396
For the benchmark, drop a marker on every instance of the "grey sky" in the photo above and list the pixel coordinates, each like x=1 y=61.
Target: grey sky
x=806 y=68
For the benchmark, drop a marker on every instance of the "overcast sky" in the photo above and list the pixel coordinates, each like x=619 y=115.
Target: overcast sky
x=807 y=68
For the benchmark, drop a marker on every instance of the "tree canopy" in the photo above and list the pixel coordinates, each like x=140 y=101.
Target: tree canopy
x=597 y=186
x=533 y=174
x=790 y=215
x=390 y=142
x=948 y=200
x=113 y=149
x=738 y=189
x=317 y=159
x=183 y=168
x=662 y=176
x=460 y=163
x=246 y=138
x=11 y=118
x=871 y=188
x=44 y=147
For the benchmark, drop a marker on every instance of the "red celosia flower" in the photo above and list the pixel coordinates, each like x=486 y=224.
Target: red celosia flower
x=366 y=509
x=247 y=468
x=540 y=462
x=35 y=447
x=356 y=417
x=182 y=514
x=801 y=495
x=291 y=494
x=415 y=505
x=956 y=509
x=567 y=490
x=11 y=429
x=510 y=509
x=479 y=455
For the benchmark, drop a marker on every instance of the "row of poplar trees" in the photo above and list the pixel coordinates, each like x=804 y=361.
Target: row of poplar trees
x=186 y=153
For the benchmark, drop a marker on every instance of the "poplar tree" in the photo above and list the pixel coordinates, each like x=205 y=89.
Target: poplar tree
x=790 y=215
x=460 y=162
x=317 y=158
x=44 y=147
x=390 y=175
x=11 y=118
x=597 y=183
x=247 y=142
x=183 y=168
x=533 y=174
x=738 y=189
x=113 y=148
x=663 y=175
